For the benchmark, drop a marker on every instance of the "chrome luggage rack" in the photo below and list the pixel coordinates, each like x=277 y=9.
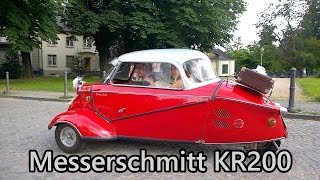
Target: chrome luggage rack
x=232 y=80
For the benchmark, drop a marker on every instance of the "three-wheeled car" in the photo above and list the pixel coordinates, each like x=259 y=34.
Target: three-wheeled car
x=169 y=95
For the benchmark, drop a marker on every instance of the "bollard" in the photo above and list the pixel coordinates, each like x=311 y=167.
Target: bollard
x=104 y=73
x=7 y=83
x=292 y=89
x=65 y=84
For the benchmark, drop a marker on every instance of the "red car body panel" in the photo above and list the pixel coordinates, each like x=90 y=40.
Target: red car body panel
x=204 y=110
x=202 y=114
x=88 y=123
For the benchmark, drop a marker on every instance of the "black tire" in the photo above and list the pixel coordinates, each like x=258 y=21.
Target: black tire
x=74 y=145
x=267 y=146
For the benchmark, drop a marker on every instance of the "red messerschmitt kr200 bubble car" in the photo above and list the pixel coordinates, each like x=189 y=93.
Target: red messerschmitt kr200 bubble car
x=169 y=95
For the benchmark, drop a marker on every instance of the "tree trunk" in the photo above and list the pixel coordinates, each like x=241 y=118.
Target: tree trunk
x=27 y=67
x=104 y=59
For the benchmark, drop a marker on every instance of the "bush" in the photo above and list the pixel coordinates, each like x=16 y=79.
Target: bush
x=12 y=65
x=77 y=68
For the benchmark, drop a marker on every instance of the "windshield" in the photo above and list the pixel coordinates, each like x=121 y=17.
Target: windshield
x=109 y=70
x=199 y=70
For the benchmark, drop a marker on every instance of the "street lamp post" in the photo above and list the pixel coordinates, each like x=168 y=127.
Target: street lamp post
x=261 y=55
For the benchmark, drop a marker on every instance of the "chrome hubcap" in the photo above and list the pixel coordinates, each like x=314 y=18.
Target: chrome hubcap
x=68 y=137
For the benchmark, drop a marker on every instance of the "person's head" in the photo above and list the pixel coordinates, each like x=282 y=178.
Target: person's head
x=143 y=69
x=175 y=73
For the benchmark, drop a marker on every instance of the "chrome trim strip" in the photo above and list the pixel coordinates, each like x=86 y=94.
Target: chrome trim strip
x=160 y=110
x=249 y=142
x=244 y=102
x=150 y=94
x=154 y=139
x=89 y=138
x=150 y=87
x=94 y=107
x=66 y=122
x=216 y=90
x=171 y=141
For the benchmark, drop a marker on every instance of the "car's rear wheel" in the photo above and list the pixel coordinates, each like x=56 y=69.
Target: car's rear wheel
x=268 y=146
x=68 y=139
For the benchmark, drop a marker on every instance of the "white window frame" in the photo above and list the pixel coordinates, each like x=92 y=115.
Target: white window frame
x=86 y=43
x=227 y=68
x=51 y=59
x=51 y=43
x=69 y=42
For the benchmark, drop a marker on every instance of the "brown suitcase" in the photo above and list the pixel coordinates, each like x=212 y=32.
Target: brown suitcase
x=255 y=80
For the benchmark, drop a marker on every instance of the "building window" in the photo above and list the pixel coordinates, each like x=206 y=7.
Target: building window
x=87 y=42
x=52 y=60
x=51 y=43
x=70 y=61
x=225 y=69
x=69 y=42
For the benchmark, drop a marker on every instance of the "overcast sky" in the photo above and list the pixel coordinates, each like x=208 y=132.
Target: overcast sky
x=246 y=28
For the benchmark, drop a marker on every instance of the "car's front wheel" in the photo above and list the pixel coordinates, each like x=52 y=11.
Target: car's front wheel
x=268 y=146
x=68 y=139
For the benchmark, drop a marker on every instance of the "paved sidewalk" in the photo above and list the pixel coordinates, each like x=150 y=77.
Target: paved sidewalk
x=281 y=90
x=41 y=95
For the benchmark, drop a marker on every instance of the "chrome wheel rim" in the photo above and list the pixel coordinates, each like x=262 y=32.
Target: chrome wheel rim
x=68 y=137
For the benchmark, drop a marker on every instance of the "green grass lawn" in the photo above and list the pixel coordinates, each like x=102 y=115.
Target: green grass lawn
x=52 y=84
x=311 y=87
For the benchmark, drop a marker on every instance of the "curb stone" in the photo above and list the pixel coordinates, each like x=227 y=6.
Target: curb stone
x=302 y=116
x=38 y=98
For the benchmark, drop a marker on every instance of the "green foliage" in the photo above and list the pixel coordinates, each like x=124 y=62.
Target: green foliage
x=311 y=87
x=26 y=22
x=121 y=26
x=244 y=58
x=299 y=41
x=11 y=64
x=77 y=68
x=44 y=83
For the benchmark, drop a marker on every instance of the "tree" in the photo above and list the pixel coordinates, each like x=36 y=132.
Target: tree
x=310 y=24
x=245 y=57
x=11 y=64
x=289 y=41
x=121 y=26
x=25 y=23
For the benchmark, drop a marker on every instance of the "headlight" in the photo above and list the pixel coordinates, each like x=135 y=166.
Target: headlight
x=283 y=110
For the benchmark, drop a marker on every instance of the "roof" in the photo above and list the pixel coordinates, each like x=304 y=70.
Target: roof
x=62 y=24
x=221 y=55
x=162 y=55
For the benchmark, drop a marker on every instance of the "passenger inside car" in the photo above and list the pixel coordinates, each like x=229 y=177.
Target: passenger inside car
x=176 y=78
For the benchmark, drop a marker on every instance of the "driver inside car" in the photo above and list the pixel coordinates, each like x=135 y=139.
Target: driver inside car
x=144 y=71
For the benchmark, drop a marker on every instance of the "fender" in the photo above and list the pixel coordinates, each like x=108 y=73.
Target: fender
x=88 y=124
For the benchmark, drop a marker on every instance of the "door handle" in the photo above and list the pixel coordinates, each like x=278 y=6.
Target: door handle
x=121 y=110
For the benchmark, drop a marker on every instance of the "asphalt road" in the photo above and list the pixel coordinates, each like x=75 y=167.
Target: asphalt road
x=24 y=127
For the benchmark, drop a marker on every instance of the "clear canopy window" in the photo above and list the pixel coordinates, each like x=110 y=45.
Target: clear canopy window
x=199 y=70
x=163 y=75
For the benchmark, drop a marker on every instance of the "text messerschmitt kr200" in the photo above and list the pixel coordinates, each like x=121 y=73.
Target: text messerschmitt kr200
x=172 y=95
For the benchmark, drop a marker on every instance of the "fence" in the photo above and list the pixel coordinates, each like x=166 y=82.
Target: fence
x=299 y=73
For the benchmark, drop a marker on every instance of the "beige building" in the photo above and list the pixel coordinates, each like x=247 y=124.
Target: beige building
x=223 y=64
x=55 y=58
